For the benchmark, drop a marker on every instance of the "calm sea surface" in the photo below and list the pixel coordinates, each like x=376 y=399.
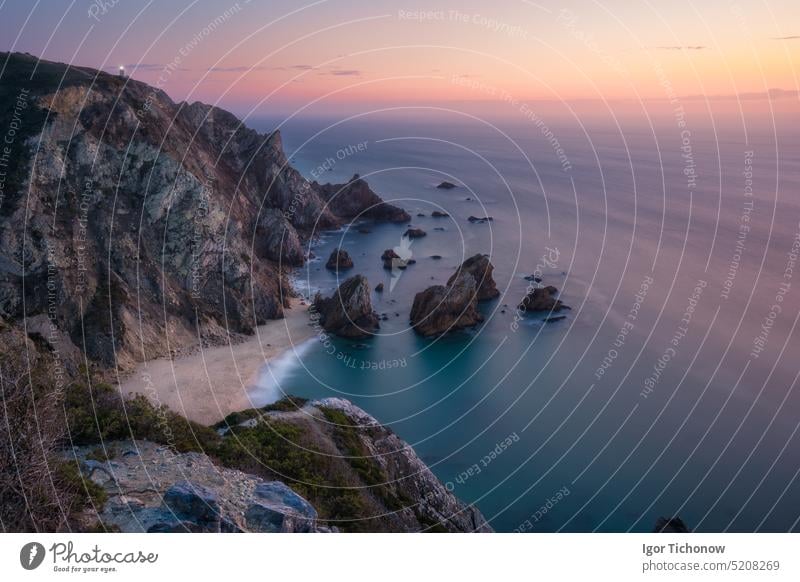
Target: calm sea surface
x=669 y=389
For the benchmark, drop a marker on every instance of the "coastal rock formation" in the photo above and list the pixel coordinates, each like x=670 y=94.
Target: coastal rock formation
x=414 y=233
x=391 y=260
x=480 y=219
x=446 y=185
x=357 y=200
x=671 y=525
x=339 y=261
x=443 y=308
x=348 y=313
x=149 y=488
x=165 y=221
x=339 y=470
x=405 y=476
x=481 y=270
x=439 y=214
x=541 y=299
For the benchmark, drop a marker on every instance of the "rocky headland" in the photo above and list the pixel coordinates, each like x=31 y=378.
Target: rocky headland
x=373 y=481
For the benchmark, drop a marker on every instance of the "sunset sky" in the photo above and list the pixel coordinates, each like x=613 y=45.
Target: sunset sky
x=279 y=55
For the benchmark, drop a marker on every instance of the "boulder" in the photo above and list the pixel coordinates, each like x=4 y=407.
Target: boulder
x=440 y=309
x=446 y=185
x=391 y=260
x=415 y=233
x=439 y=214
x=348 y=313
x=379 y=288
x=195 y=503
x=278 y=509
x=542 y=299
x=481 y=270
x=339 y=261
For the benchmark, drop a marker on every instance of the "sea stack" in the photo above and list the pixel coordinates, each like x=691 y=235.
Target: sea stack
x=444 y=308
x=481 y=270
x=348 y=313
x=542 y=299
x=339 y=261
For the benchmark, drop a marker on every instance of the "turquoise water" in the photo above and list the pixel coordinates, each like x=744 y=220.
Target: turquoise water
x=647 y=400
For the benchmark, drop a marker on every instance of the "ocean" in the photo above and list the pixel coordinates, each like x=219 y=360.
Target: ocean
x=668 y=390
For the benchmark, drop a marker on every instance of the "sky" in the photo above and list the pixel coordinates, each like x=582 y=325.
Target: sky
x=279 y=55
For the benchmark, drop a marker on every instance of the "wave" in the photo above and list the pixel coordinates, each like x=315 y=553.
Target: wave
x=270 y=386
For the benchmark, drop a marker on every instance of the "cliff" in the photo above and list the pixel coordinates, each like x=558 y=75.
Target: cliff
x=138 y=224
x=296 y=467
x=132 y=226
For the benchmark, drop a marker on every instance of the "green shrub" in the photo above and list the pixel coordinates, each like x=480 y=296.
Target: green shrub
x=99 y=413
x=87 y=491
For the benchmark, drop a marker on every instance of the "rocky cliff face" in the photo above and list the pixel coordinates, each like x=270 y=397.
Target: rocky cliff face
x=372 y=472
x=137 y=223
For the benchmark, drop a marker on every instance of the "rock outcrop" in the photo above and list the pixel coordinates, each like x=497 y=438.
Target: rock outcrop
x=365 y=479
x=446 y=185
x=481 y=270
x=356 y=199
x=444 y=308
x=165 y=221
x=670 y=525
x=391 y=260
x=348 y=313
x=149 y=488
x=414 y=233
x=339 y=261
x=541 y=299
x=440 y=309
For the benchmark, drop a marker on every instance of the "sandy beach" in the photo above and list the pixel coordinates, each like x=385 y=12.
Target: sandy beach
x=209 y=384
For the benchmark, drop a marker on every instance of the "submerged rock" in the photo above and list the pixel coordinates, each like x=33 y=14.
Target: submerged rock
x=391 y=260
x=670 y=525
x=439 y=214
x=379 y=287
x=348 y=313
x=480 y=220
x=339 y=260
x=415 y=233
x=278 y=509
x=542 y=299
x=446 y=185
